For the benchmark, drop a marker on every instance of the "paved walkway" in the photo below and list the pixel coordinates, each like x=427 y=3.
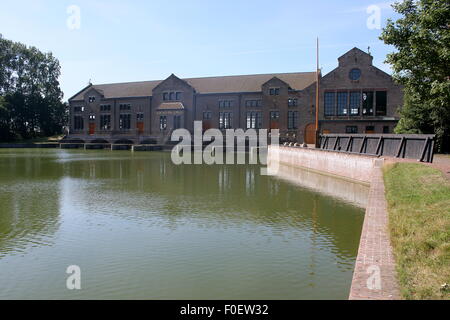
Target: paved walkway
x=374 y=277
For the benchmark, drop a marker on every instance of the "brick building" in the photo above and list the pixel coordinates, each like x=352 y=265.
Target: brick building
x=356 y=97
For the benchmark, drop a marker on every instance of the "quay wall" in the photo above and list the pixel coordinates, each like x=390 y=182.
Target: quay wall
x=349 y=166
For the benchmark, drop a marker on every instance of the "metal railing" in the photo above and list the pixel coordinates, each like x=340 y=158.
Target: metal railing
x=407 y=146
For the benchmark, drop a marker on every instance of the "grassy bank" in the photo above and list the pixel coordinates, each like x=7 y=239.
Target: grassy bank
x=419 y=221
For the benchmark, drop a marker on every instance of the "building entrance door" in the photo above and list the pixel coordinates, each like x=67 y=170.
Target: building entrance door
x=140 y=127
x=91 y=128
x=310 y=134
x=274 y=120
x=207 y=125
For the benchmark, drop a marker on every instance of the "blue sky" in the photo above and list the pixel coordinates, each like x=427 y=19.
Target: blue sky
x=120 y=41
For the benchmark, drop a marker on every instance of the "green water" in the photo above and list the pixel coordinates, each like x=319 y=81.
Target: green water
x=140 y=227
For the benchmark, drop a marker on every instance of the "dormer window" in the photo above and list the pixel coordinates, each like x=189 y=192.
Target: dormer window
x=171 y=96
x=292 y=102
x=274 y=91
x=91 y=99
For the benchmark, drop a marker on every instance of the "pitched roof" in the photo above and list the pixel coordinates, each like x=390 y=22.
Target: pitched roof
x=226 y=84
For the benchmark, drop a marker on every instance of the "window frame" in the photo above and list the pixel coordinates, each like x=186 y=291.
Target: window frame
x=377 y=106
x=125 y=121
x=347 y=131
x=162 y=123
x=225 y=120
x=325 y=106
x=103 y=122
x=76 y=124
x=345 y=106
x=352 y=100
x=293 y=120
x=352 y=73
x=274 y=91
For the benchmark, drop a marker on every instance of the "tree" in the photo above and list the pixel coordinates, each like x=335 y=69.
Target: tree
x=421 y=63
x=30 y=102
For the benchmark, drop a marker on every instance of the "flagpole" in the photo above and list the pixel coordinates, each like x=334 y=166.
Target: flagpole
x=317 y=96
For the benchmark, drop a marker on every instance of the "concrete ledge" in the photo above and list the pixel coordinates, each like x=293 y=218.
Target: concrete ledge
x=350 y=166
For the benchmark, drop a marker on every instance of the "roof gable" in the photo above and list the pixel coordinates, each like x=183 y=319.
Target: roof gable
x=276 y=80
x=355 y=56
x=174 y=79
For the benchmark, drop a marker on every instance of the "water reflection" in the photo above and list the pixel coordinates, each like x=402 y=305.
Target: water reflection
x=146 y=228
x=352 y=192
x=29 y=202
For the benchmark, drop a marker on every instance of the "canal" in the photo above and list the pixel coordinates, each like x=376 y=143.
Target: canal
x=140 y=227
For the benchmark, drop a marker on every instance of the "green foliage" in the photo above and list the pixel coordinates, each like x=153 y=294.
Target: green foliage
x=30 y=96
x=419 y=221
x=421 y=63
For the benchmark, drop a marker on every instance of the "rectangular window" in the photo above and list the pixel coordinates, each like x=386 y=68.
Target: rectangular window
x=105 y=122
x=105 y=108
x=355 y=103
x=381 y=103
x=78 y=123
x=125 y=106
x=125 y=121
x=351 y=129
x=274 y=115
x=342 y=103
x=139 y=117
x=386 y=130
x=225 y=120
x=274 y=91
x=225 y=104
x=176 y=122
x=367 y=103
x=162 y=123
x=172 y=96
x=330 y=104
x=253 y=103
x=254 y=120
x=293 y=120
x=207 y=115
x=293 y=102
x=370 y=129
